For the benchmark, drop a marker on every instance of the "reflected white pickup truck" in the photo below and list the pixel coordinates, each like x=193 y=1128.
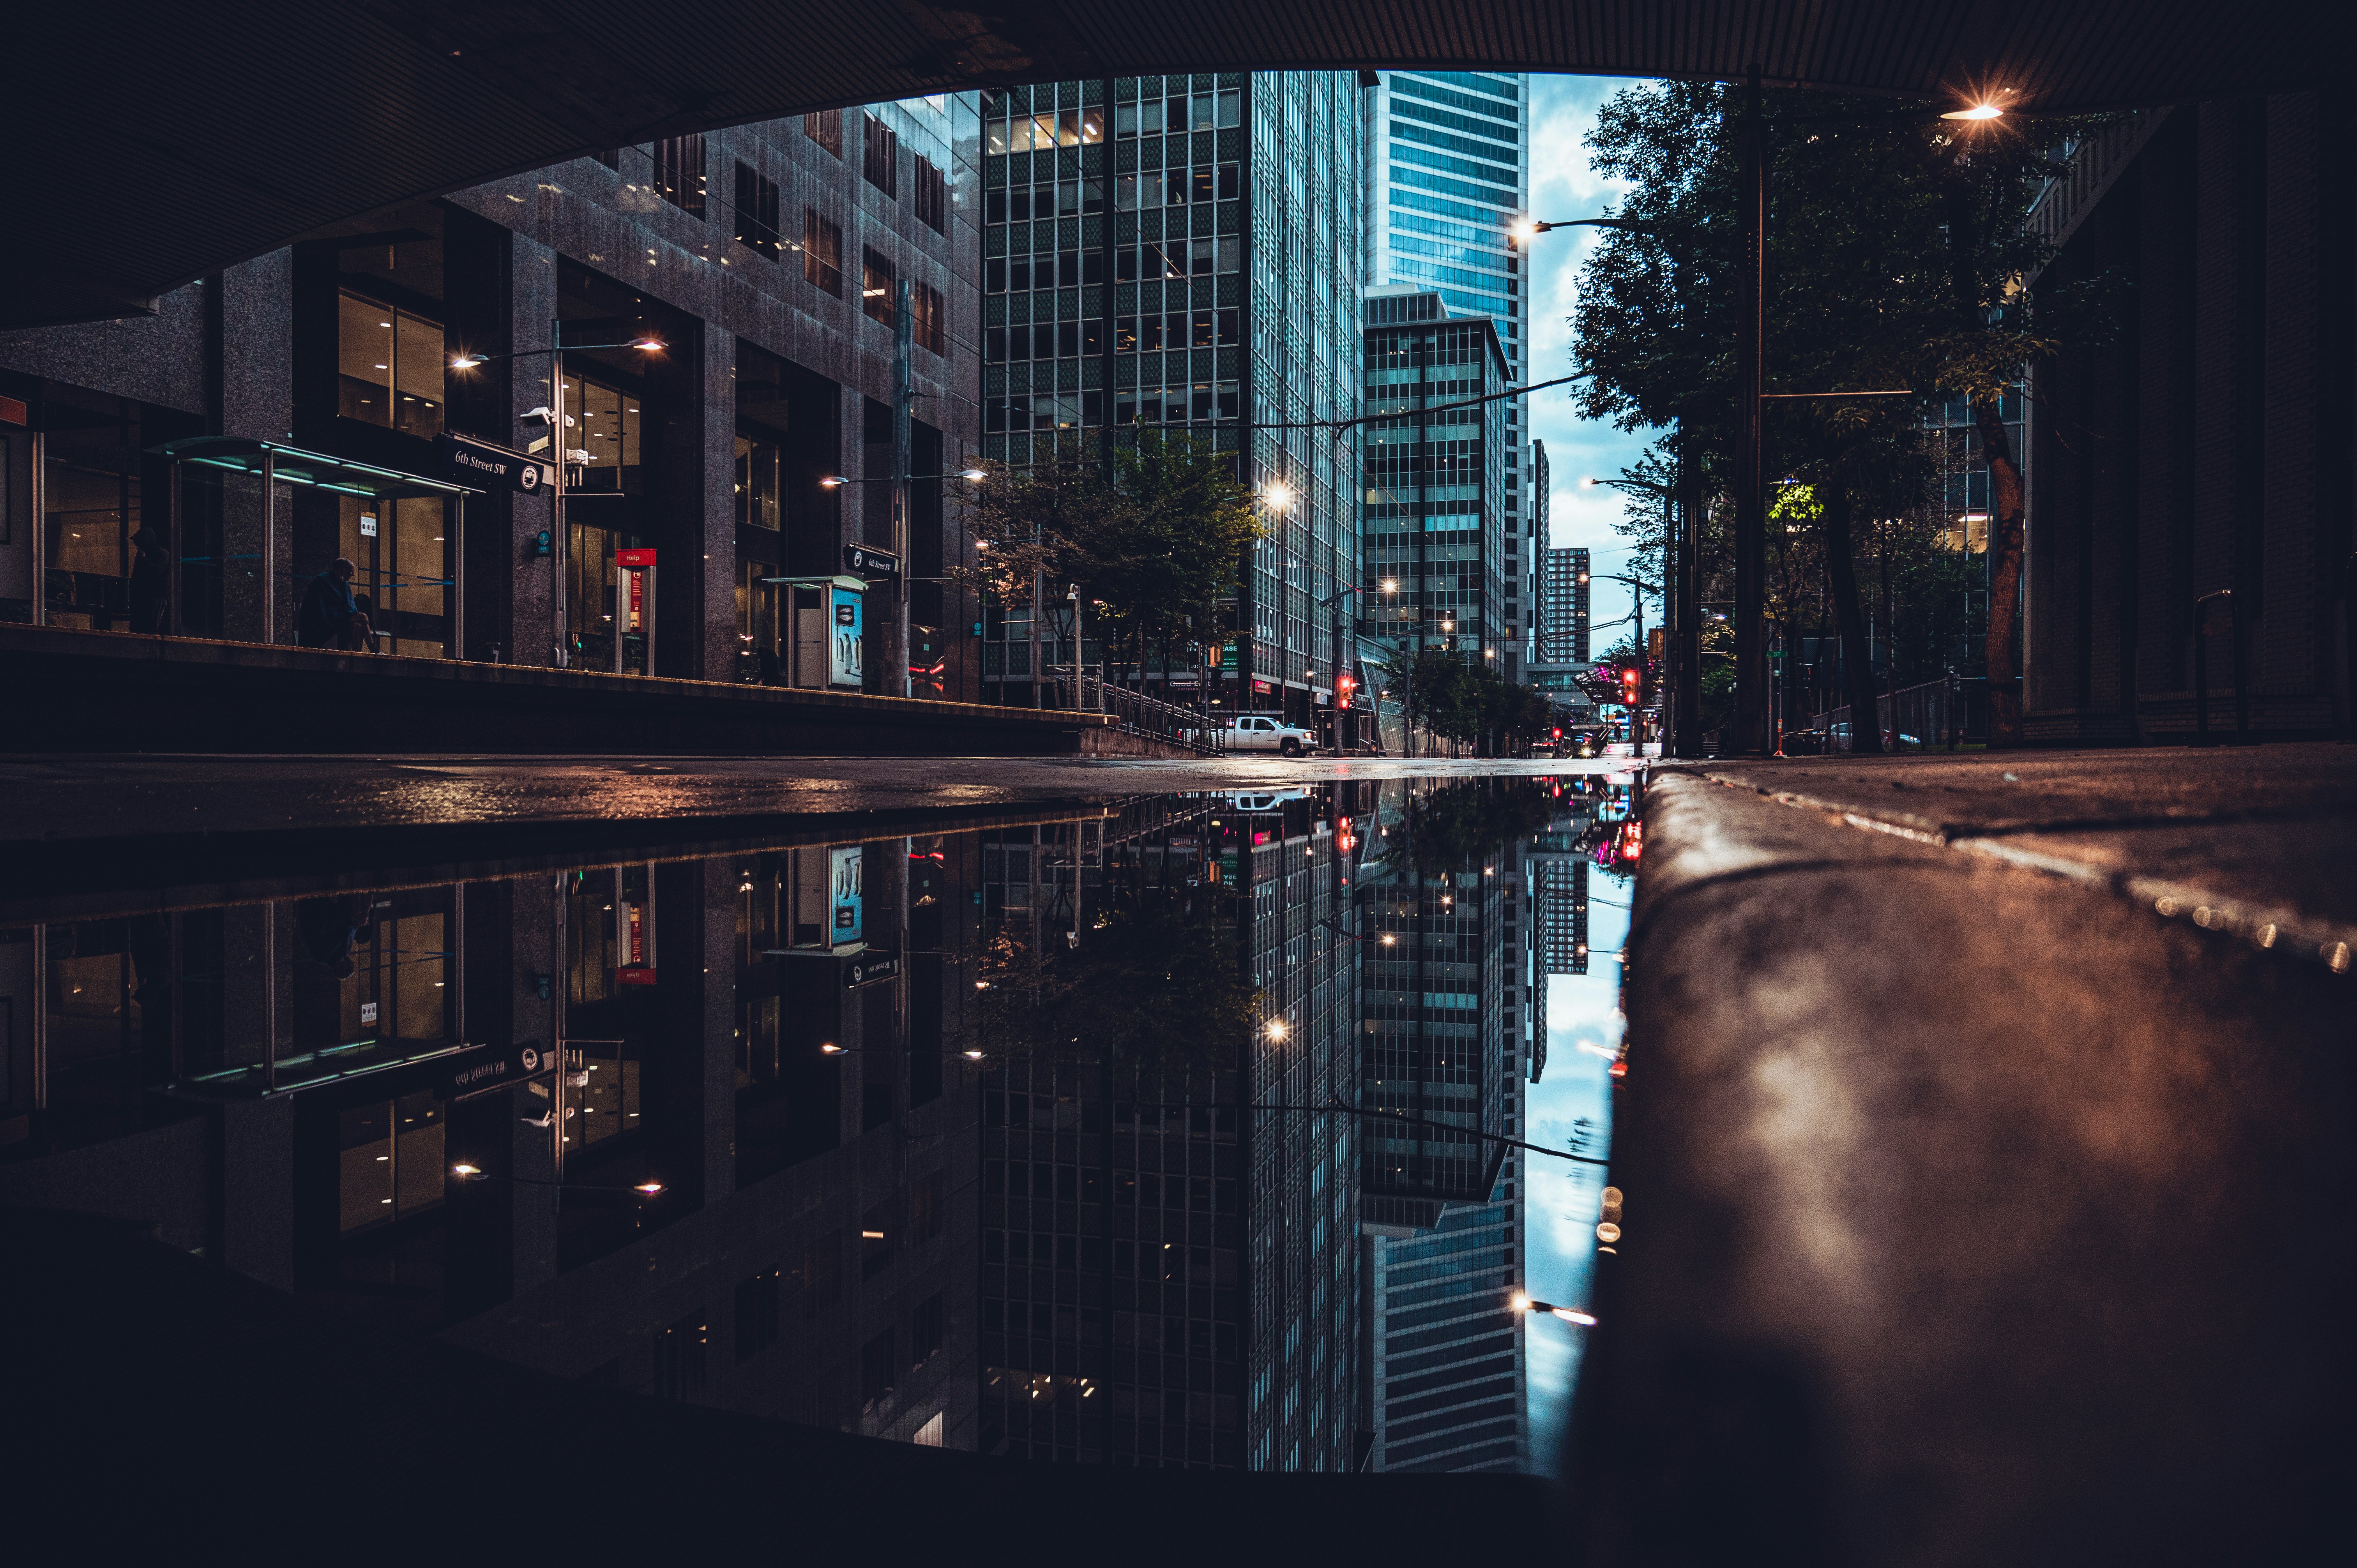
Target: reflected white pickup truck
x=1264 y=731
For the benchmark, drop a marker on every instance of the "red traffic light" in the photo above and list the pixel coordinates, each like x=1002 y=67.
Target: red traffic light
x=1630 y=682
x=1558 y=734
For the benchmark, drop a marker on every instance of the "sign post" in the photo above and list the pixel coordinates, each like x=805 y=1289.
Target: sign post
x=485 y=463
x=486 y=1068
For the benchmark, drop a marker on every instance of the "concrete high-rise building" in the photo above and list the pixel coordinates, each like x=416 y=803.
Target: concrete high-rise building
x=1183 y=252
x=721 y=313
x=1448 y=174
x=1562 y=608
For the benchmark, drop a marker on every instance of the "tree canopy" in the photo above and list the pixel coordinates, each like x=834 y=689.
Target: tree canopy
x=1896 y=256
x=1153 y=540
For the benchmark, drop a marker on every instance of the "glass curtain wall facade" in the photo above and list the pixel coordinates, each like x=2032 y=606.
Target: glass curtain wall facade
x=1182 y=252
x=1442 y=1039
x=1448 y=174
x=1438 y=512
x=1168 y=1280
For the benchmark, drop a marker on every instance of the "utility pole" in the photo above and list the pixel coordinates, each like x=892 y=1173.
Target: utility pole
x=1687 y=696
x=1750 y=737
x=903 y=397
x=559 y=555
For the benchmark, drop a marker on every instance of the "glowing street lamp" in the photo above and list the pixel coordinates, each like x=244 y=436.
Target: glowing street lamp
x=1523 y=1302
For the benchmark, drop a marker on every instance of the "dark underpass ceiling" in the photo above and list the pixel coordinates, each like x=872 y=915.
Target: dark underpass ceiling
x=157 y=144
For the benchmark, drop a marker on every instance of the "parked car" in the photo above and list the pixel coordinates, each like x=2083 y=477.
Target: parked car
x=1266 y=732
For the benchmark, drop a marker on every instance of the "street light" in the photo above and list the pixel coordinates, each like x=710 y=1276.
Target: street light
x=1523 y=1302
x=833 y=480
x=558 y=547
x=468 y=1173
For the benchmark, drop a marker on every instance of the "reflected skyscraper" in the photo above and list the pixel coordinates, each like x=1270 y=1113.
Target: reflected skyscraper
x=1442 y=1042
x=1169 y=1218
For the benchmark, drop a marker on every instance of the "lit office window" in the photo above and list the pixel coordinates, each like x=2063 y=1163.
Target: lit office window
x=390 y=367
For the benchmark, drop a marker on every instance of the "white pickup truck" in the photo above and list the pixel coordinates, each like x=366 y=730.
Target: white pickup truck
x=1266 y=732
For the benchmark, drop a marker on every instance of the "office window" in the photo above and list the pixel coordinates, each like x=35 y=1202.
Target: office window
x=679 y=1356
x=759 y=482
x=826 y=128
x=881 y=163
x=679 y=172
x=932 y=197
x=930 y=328
x=821 y=253
x=757 y=1314
x=756 y=212
x=877 y=1370
x=878 y=283
x=928 y=1330
x=390 y=366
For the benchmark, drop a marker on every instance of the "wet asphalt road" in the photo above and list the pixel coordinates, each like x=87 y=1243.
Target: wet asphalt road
x=62 y=798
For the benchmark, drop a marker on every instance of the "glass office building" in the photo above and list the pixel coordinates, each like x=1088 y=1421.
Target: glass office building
x=1183 y=253
x=1439 y=513
x=1447 y=173
x=1445 y=1000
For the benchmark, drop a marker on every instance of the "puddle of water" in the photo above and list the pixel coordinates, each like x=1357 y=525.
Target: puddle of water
x=1172 y=1133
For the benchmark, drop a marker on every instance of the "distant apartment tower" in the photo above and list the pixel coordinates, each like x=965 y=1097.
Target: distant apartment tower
x=1439 y=509
x=1562 y=608
x=1561 y=882
x=1182 y=252
x=1535 y=488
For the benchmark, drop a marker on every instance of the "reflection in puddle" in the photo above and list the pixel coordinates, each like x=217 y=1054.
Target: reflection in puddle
x=1060 y=1140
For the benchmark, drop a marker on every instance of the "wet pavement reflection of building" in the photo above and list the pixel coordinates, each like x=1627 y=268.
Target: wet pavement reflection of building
x=1033 y=1139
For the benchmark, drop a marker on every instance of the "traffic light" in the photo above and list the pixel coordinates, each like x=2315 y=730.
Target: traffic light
x=1344 y=684
x=1632 y=687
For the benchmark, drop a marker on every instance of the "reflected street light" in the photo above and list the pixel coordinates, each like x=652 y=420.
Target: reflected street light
x=1523 y=1302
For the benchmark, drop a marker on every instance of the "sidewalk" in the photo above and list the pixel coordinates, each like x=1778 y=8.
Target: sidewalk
x=1981 y=1205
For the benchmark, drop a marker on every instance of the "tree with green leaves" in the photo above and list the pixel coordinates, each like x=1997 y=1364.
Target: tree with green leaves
x=1896 y=250
x=1153 y=541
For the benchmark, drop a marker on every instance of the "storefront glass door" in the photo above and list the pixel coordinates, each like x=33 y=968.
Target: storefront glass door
x=403 y=555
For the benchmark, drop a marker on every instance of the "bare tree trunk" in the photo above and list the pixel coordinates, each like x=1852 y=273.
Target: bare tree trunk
x=1857 y=668
x=2005 y=543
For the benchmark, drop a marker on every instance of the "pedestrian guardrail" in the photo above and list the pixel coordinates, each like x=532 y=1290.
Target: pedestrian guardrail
x=1935 y=715
x=1083 y=688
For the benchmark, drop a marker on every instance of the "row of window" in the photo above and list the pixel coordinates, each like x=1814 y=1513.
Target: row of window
x=1132 y=335
x=679 y=178
x=1147 y=262
x=879 y=164
x=1200 y=403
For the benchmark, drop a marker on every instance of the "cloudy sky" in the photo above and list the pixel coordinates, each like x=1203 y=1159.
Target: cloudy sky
x=1562 y=1201
x=1562 y=186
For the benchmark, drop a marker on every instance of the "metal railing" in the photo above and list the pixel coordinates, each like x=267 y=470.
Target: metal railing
x=1085 y=689
x=1936 y=716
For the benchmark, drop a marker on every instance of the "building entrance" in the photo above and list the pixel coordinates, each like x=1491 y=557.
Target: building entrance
x=608 y=603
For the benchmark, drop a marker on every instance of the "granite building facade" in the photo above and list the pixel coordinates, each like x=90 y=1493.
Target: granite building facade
x=763 y=266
